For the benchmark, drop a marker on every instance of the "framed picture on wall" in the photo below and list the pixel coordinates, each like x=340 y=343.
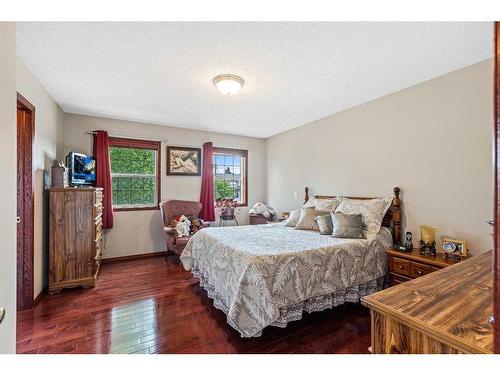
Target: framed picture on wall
x=183 y=161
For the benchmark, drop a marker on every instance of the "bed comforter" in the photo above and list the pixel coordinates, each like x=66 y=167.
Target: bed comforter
x=264 y=275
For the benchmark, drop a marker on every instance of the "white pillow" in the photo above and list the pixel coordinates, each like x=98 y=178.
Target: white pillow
x=372 y=211
x=328 y=204
x=293 y=218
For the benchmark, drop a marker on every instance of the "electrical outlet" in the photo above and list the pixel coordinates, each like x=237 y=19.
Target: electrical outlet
x=295 y=194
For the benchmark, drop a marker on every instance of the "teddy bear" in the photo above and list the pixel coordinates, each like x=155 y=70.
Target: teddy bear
x=183 y=226
x=260 y=208
x=196 y=225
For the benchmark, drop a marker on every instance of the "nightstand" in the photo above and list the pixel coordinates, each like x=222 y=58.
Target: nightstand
x=256 y=219
x=404 y=266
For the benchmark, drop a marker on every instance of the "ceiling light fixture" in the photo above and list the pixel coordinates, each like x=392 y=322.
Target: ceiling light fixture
x=228 y=84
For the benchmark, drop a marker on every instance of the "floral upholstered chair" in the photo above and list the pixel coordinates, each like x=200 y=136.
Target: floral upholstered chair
x=170 y=210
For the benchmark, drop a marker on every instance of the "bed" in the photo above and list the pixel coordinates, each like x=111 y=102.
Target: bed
x=267 y=275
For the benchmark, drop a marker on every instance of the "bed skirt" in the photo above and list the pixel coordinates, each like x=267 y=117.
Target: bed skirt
x=294 y=312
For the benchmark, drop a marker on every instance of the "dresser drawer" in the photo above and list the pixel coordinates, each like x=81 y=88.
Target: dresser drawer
x=98 y=210
x=98 y=257
x=432 y=269
x=395 y=279
x=98 y=195
x=418 y=269
x=97 y=220
x=400 y=266
x=98 y=228
x=408 y=265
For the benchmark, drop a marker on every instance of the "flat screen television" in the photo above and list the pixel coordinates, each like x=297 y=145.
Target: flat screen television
x=81 y=169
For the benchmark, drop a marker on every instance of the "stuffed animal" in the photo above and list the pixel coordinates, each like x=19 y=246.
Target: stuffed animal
x=260 y=208
x=196 y=225
x=183 y=226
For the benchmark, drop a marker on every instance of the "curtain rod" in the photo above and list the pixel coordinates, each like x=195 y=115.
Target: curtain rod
x=165 y=140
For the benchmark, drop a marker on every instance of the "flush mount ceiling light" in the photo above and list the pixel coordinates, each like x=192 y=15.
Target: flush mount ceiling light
x=228 y=84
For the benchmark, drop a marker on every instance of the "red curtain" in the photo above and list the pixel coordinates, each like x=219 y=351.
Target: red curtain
x=207 y=184
x=103 y=175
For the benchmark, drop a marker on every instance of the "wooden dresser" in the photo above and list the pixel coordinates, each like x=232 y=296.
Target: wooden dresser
x=444 y=312
x=404 y=266
x=75 y=237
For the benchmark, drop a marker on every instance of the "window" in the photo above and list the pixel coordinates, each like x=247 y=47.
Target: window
x=135 y=173
x=230 y=174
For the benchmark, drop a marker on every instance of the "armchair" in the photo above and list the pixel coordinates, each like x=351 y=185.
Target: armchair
x=170 y=210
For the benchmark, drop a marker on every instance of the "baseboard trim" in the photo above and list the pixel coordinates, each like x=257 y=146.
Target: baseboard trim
x=39 y=297
x=134 y=257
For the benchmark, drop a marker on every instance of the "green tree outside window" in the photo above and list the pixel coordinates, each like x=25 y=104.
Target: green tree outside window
x=133 y=175
x=223 y=189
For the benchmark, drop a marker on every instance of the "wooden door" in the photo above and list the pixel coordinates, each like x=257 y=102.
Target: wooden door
x=25 y=202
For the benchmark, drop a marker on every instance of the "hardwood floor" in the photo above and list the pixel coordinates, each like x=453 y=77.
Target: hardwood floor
x=154 y=306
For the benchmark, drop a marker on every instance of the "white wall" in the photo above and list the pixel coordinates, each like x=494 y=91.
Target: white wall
x=139 y=232
x=47 y=148
x=433 y=140
x=8 y=187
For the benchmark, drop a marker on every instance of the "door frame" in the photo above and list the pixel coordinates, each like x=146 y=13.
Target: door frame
x=496 y=213
x=25 y=282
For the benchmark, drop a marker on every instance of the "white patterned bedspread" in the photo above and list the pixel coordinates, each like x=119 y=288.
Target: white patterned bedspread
x=254 y=271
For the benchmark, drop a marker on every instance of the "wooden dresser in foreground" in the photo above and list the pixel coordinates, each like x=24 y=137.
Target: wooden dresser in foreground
x=444 y=312
x=75 y=237
x=404 y=266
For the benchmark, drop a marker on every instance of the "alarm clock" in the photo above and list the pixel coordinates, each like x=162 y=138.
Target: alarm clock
x=449 y=247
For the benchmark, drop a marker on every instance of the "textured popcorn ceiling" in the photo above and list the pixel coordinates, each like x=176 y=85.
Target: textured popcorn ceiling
x=294 y=72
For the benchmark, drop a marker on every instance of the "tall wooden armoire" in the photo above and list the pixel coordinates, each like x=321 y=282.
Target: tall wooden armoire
x=75 y=237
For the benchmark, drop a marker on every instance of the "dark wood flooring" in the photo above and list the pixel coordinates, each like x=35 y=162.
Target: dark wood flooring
x=154 y=306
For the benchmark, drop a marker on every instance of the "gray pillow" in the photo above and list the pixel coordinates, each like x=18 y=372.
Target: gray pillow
x=325 y=224
x=347 y=225
x=306 y=221
x=372 y=210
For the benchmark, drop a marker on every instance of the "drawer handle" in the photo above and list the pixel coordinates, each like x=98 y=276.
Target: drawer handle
x=400 y=267
x=419 y=272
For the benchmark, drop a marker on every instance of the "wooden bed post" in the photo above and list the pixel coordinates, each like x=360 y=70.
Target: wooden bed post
x=306 y=195
x=396 y=216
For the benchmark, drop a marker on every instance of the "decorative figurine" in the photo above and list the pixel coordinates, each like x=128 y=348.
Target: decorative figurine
x=432 y=249
x=427 y=248
x=421 y=248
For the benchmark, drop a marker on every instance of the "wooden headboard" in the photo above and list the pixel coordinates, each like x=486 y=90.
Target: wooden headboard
x=392 y=218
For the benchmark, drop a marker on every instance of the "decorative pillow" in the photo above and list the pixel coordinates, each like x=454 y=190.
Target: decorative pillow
x=328 y=205
x=372 y=210
x=325 y=224
x=306 y=221
x=293 y=218
x=347 y=225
